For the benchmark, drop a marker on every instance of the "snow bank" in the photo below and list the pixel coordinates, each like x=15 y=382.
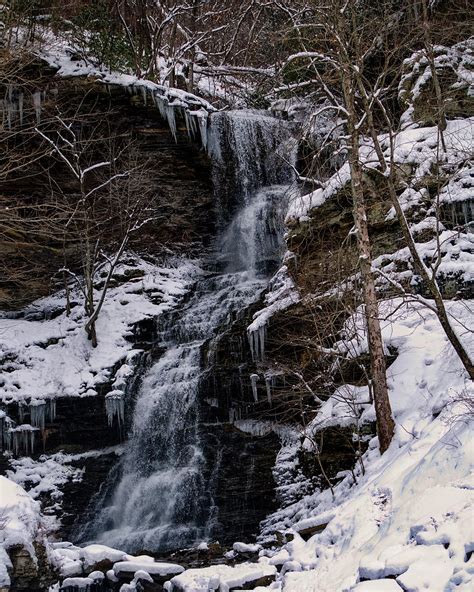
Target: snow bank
x=416 y=147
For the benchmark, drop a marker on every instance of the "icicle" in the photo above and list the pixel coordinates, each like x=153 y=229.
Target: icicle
x=3 y=435
x=202 y=117
x=144 y=97
x=167 y=113
x=268 y=385
x=253 y=380
x=262 y=330
x=191 y=127
x=20 y=107
x=115 y=407
x=256 y=339
x=21 y=411
x=170 y=117
x=36 y=96
x=21 y=439
x=231 y=415
x=51 y=410
x=38 y=413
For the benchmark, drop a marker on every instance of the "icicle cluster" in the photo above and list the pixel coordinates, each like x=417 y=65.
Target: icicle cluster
x=12 y=106
x=21 y=439
x=172 y=104
x=115 y=407
x=38 y=413
x=257 y=343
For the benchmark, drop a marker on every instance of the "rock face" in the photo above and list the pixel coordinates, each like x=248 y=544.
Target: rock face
x=178 y=180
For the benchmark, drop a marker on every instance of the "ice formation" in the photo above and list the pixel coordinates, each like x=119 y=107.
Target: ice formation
x=38 y=409
x=36 y=98
x=115 y=408
x=21 y=439
x=254 y=380
x=257 y=343
x=3 y=430
x=268 y=385
x=167 y=112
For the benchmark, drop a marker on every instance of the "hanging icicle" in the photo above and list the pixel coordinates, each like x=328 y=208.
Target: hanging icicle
x=51 y=410
x=3 y=429
x=256 y=339
x=144 y=95
x=167 y=113
x=268 y=385
x=253 y=380
x=202 y=117
x=38 y=413
x=21 y=439
x=22 y=406
x=36 y=98
x=115 y=408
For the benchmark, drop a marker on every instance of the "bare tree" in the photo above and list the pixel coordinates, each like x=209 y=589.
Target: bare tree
x=106 y=197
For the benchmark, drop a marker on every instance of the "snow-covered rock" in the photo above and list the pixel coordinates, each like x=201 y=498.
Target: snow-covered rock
x=20 y=522
x=221 y=577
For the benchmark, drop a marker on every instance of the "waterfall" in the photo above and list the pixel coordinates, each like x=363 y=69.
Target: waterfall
x=249 y=150
x=163 y=500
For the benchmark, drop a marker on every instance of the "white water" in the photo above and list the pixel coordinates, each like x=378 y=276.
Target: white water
x=163 y=500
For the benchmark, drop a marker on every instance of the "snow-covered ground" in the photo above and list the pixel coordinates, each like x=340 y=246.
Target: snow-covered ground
x=410 y=516
x=52 y=358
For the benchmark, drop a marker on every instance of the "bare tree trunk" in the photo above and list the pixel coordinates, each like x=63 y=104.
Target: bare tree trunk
x=428 y=278
x=383 y=411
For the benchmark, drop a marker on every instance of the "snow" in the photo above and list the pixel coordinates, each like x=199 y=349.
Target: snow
x=19 y=523
x=45 y=477
x=409 y=516
x=169 y=101
x=378 y=586
x=159 y=569
x=300 y=206
x=246 y=548
x=219 y=577
x=415 y=147
x=53 y=358
x=458 y=60
x=72 y=561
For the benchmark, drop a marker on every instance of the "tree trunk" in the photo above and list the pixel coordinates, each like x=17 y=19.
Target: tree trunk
x=420 y=267
x=383 y=411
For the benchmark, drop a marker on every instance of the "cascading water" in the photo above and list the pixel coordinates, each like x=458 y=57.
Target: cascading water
x=163 y=500
x=249 y=150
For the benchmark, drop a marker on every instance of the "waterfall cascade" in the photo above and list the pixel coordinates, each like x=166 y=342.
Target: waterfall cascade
x=163 y=499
